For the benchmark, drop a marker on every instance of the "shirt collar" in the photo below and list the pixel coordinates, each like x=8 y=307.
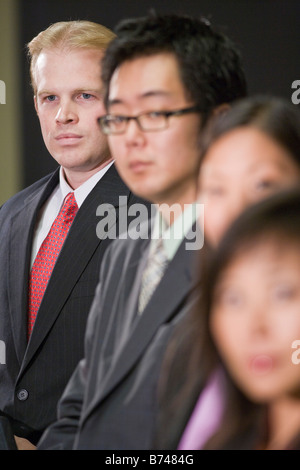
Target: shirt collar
x=83 y=190
x=174 y=234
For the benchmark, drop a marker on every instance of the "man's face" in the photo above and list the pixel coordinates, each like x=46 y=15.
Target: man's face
x=68 y=102
x=160 y=166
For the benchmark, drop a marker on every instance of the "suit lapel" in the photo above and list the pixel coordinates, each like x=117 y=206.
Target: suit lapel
x=130 y=292
x=21 y=234
x=131 y=282
x=79 y=247
x=177 y=283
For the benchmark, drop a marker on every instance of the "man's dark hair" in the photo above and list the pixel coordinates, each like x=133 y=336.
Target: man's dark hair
x=209 y=62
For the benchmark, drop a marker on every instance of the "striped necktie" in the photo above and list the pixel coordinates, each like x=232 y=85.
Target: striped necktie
x=154 y=270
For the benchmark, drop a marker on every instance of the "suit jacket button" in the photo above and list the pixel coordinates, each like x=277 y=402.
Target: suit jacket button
x=22 y=394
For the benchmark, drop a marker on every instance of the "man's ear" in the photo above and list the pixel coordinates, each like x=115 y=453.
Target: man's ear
x=35 y=105
x=216 y=113
x=221 y=109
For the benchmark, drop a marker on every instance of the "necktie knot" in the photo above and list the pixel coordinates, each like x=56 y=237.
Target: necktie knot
x=69 y=209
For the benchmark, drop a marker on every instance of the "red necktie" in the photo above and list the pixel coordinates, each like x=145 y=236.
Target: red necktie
x=47 y=255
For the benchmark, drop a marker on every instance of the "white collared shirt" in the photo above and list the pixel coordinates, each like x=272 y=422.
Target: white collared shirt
x=53 y=205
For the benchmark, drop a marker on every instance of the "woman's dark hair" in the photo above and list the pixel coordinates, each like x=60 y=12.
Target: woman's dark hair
x=209 y=63
x=274 y=116
x=190 y=361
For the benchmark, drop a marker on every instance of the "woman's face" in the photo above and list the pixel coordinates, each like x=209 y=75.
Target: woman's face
x=240 y=168
x=255 y=320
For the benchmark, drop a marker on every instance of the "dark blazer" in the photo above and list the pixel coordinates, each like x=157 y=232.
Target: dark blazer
x=35 y=374
x=111 y=400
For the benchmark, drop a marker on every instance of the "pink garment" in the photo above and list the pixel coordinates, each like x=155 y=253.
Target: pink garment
x=206 y=415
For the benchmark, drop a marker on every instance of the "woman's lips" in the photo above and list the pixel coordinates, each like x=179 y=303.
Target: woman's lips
x=261 y=364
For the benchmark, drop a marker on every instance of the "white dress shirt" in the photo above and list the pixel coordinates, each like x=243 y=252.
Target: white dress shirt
x=53 y=205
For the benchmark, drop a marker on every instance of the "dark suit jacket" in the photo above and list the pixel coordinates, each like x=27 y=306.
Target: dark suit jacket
x=35 y=374
x=111 y=400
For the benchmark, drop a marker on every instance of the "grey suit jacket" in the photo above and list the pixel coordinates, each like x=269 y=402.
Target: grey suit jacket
x=111 y=400
x=35 y=374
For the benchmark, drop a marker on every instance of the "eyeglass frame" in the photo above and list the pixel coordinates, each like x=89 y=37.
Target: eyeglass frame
x=165 y=114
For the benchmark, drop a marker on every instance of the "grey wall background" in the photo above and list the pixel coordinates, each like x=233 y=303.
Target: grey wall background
x=266 y=31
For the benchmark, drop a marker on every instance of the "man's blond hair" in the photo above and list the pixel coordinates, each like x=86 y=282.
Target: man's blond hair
x=68 y=35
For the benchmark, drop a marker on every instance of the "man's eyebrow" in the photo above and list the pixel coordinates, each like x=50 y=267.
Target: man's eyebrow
x=88 y=90
x=45 y=92
x=148 y=94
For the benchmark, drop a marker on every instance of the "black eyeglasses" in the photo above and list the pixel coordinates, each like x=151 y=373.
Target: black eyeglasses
x=113 y=124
